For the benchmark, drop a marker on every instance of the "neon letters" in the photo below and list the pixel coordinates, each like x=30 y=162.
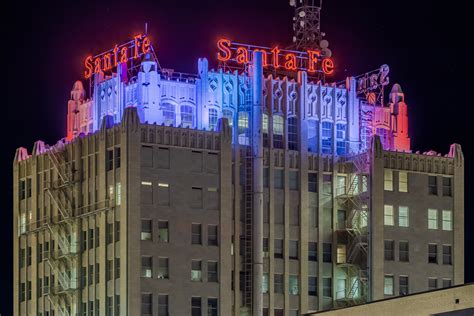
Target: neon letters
x=310 y=61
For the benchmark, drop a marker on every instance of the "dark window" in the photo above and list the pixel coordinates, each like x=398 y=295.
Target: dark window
x=313 y=286
x=447 y=191
x=96 y=273
x=403 y=285
x=147 y=303
x=266 y=177
x=109 y=270
x=265 y=247
x=446 y=283
x=389 y=250
x=313 y=251
x=109 y=163
x=279 y=179
x=28 y=256
x=196 y=306
x=212 y=307
x=278 y=283
x=292 y=133
x=447 y=258
x=294 y=249
x=110 y=233
x=147 y=230
x=117 y=231
x=117 y=268
x=117 y=157
x=327 y=252
x=212 y=235
x=147 y=264
x=97 y=236
x=432 y=253
x=22 y=189
x=28 y=187
x=163 y=305
x=327 y=287
x=432 y=283
x=403 y=254
x=196 y=234
x=293 y=179
x=312 y=182
x=212 y=271
x=91 y=238
x=278 y=248
x=432 y=185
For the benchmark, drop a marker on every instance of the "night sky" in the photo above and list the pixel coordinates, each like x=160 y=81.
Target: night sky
x=425 y=45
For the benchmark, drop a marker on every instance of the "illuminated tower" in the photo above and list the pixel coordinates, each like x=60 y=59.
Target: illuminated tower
x=149 y=89
x=399 y=111
x=77 y=97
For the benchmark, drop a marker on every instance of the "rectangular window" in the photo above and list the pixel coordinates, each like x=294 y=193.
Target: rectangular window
x=28 y=187
x=403 y=216
x=90 y=276
x=279 y=179
x=278 y=253
x=147 y=229
x=312 y=286
x=265 y=247
x=147 y=265
x=388 y=215
x=446 y=282
x=293 y=179
x=212 y=235
x=278 y=283
x=266 y=177
x=403 y=285
x=109 y=270
x=327 y=252
x=109 y=163
x=22 y=292
x=388 y=285
x=163 y=268
x=212 y=307
x=91 y=238
x=28 y=256
x=327 y=287
x=147 y=304
x=163 y=231
x=447 y=188
x=109 y=310
x=388 y=180
x=28 y=293
x=196 y=197
x=196 y=274
x=432 y=283
x=432 y=185
x=22 y=189
x=196 y=306
x=447 y=220
x=447 y=258
x=403 y=251
x=341 y=185
x=326 y=142
x=294 y=249
x=341 y=253
x=389 y=252
x=117 y=231
x=432 y=253
x=212 y=271
x=163 y=305
x=312 y=251
x=117 y=157
x=293 y=286
x=196 y=234
x=109 y=231
x=117 y=305
x=432 y=218
x=163 y=194
x=97 y=273
x=117 y=268
x=402 y=181
x=97 y=236
x=312 y=182
x=265 y=283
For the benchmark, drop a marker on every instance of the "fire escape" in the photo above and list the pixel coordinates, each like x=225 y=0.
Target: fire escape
x=354 y=232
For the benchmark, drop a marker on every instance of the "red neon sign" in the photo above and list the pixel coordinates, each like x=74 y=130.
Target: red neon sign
x=310 y=61
x=134 y=49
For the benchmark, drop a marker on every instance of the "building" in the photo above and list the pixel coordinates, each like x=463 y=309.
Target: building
x=453 y=301
x=231 y=193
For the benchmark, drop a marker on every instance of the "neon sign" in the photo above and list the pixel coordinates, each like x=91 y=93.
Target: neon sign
x=276 y=58
x=106 y=61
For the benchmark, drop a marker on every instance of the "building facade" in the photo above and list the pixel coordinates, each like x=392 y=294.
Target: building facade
x=231 y=193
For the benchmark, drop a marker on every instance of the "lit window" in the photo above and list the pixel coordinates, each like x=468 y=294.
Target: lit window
x=388 y=285
x=243 y=125
x=163 y=185
x=229 y=115
x=340 y=139
x=388 y=215
x=403 y=216
x=212 y=119
x=341 y=253
x=432 y=218
x=388 y=180
x=196 y=271
x=147 y=183
x=294 y=288
x=118 y=195
x=312 y=135
x=265 y=283
x=147 y=264
x=265 y=129
x=169 y=117
x=278 y=131
x=326 y=146
x=447 y=220
x=402 y=181
x=146 y=233
x=187 y=116
x=292 y=133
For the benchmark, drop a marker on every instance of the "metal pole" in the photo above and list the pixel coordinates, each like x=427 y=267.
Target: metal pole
x=257 y=153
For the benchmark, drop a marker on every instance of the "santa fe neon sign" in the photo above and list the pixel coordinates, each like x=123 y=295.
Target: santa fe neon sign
x=310 y=61
x=134 y=49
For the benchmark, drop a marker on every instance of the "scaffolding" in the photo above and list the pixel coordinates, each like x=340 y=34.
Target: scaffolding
x=353 y=233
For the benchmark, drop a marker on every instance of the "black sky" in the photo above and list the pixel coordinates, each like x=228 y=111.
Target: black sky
x=427 y=47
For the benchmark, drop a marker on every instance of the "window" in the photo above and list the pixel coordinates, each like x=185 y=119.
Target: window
x=265 y=282
x=388 y=285
x=265 y=247
x=163 y=305
x=312 y=286
x=212 y=271
x=326 y=146
x=294 y=287
x=432 y=218
x=278 y=248
x=97 y=237
x=91 y=238
x=327 y=252
x=388 y=215
x=28 y=187
x=403 y=216
x=146 y=233
x=313 y=251
x=163 y=194
x=341 y=185
x=432 y=283
x=292 y=133
x=312 y=135
x=146 y=192
x=97 y=273
x=109 y=309
x=117 y=268
x=22 y=292
x=196 y=271
x=109 y=270
x=432 y=185
x=163 y=268
x=447 y=189
x=341 y=254
x=278 y=131
x=195 y=306
x=340 y=139
x=109 y=160
x=278 y=283
x=109 y=231
x=196 y=197
x=446 y=282
x=187 y=116
x=229 y=115
x=117 y=157
x=90 y=276
x=403 y=285
x=117 y=231
x=117 y=304
x=147 y=264
x=294 y=249
x=432 y=253
x=243 y=125
x=388 y=250
x=265 y=129
x=163 y=231
x=388 y=180
x=279 y=312
x=147 y=303
x=196 y=234
x=327 y=287
x=212 y=239
x=447 y=220
x=266 y=177
x=402 y=181
x=28 y=291
x=279 y=179
x=403 y=251
x=447 y=258
x=212 y=119
x=293 y=179
x=312 y=182
x=22 y=189
x=212 y=307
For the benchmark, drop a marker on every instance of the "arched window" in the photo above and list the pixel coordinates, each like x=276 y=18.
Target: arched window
x=169 y=116
x=293 y=133
x=326 y=139
x=278 y=128
x=265 y=129
x=341 y=139
x=187 y=116
x=212 y=119
x=312 y=136
x=243 y=127
x=229 y=115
